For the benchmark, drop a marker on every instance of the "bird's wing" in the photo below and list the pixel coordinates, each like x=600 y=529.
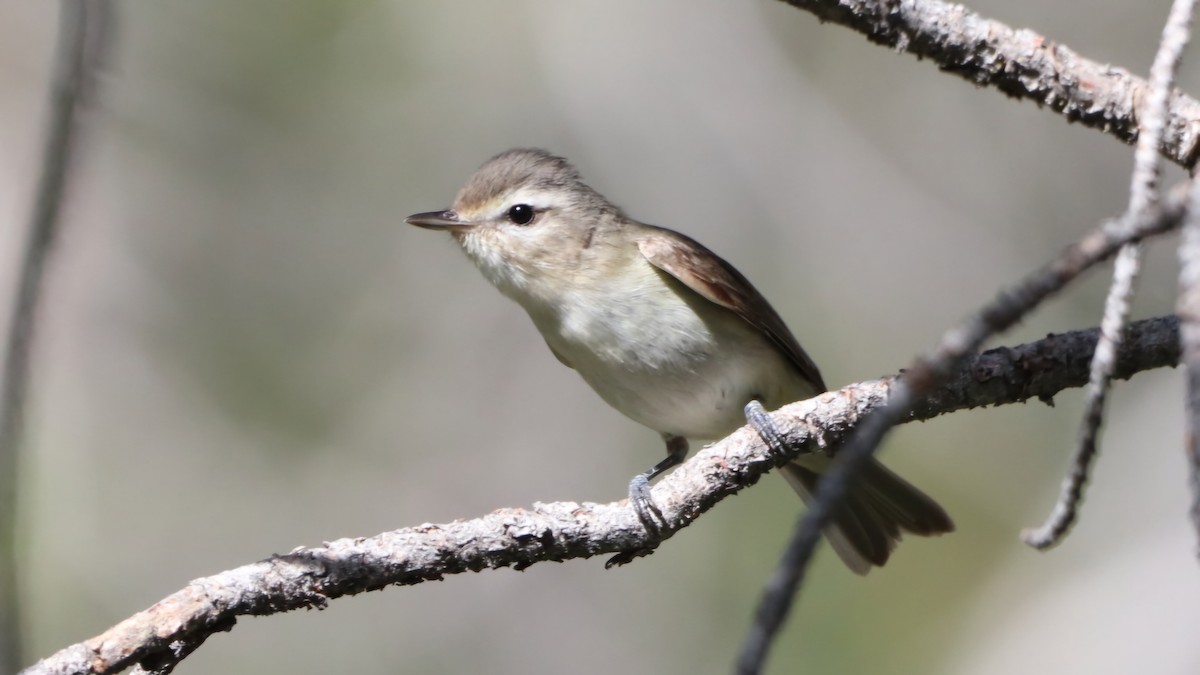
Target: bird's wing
x=706 y=273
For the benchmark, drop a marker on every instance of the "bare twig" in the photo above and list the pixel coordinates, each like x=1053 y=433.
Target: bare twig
x=1143 y=201
x=1020 y=63
x=922 y=378
x=1116 y=311
x=1189 y=335
x=80 y=41
x=311 y=577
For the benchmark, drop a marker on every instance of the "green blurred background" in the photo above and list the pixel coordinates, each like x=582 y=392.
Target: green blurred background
x=244 y=349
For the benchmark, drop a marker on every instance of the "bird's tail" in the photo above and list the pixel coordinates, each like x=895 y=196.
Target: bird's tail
x=880 y=506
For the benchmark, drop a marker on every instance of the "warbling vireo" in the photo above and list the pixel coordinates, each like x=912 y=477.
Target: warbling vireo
x=662 y=329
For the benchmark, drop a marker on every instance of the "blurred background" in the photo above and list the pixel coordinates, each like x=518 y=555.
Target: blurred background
x=243 y=348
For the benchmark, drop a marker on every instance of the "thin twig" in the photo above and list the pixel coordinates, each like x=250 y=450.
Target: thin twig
x=922 y=378
x=1020 y=63
x=1143 y=201
x=160 y=636
x=79 y=43
x=1066 y=509
x=1189 y=335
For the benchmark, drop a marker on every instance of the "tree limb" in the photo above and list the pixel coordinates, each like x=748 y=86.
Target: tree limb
x=158 y=637
x=1020 y=63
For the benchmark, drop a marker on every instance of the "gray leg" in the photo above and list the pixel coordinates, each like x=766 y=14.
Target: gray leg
x=639 y=487
x=758 y=418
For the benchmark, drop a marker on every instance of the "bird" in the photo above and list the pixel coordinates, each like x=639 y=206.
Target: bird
x=664 y=330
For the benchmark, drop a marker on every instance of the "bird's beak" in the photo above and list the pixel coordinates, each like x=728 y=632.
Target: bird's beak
x=438 y=220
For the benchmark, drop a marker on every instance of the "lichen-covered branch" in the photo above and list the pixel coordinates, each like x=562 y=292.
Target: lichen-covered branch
x=1018 y=62
x=158 y=637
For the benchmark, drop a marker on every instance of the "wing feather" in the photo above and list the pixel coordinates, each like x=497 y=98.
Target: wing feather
x=717 y=281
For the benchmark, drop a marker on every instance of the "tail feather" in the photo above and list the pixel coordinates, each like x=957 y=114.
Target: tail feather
x=878 y=509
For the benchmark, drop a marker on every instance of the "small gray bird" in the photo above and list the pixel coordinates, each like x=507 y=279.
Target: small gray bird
x=662 y=329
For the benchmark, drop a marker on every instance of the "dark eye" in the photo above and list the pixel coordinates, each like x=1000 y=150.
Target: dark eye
x=521 y=214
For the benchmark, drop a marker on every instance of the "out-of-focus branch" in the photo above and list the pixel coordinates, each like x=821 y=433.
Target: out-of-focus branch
x=1018 y=62
x=1188 y=306
x=81 y=43
x=160 y=636
x=924 y=377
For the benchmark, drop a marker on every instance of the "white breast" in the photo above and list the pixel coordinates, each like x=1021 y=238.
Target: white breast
x=641 y=344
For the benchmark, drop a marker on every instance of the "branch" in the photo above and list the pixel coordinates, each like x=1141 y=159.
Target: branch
x=1020 y=63
x=1143 y=202
x=924 y=377
x=1188 y=306
x=80 y=47
x=160 y=636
